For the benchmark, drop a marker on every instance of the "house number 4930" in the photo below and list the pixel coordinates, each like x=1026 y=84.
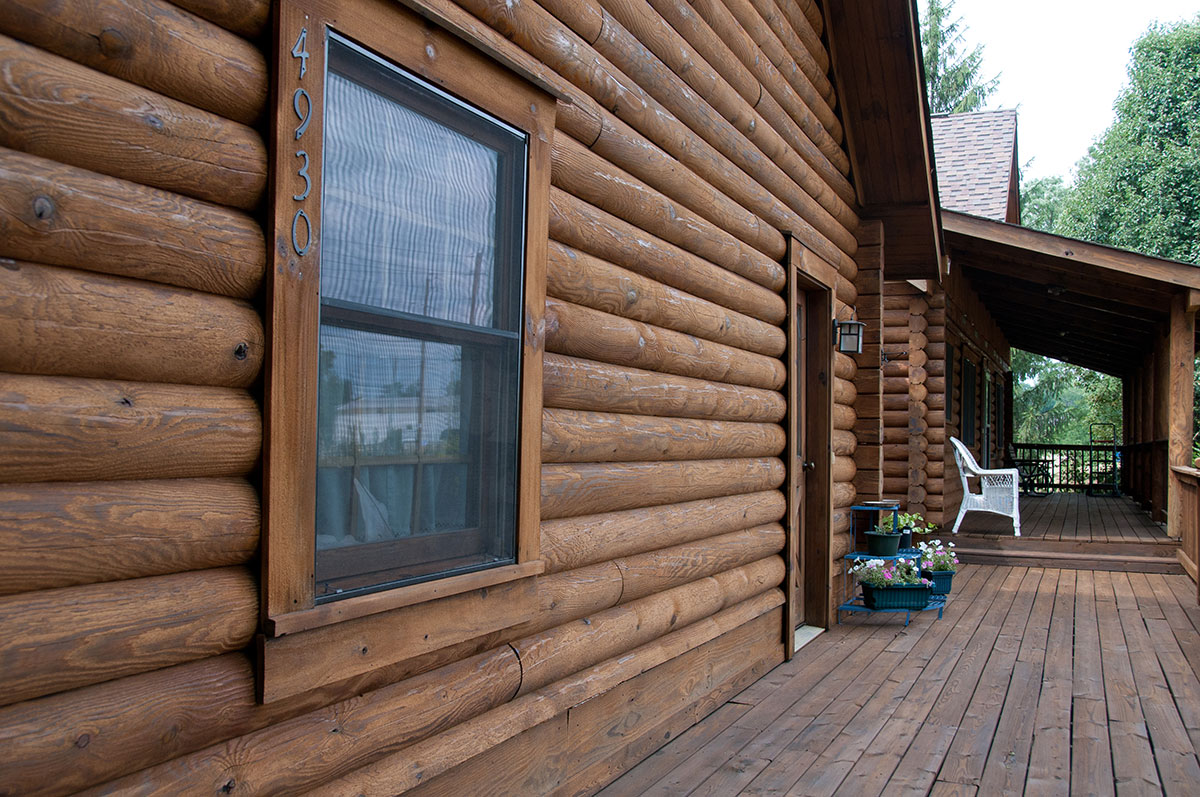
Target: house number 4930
x=302 y=104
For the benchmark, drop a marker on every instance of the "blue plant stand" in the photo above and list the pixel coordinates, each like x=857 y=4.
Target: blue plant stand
x=856 y=604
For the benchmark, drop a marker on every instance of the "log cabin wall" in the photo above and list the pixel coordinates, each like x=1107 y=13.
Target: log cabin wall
x=971 y=333
x=868 y=405
x=905 y=374
x=135 y=253
x=920 y=329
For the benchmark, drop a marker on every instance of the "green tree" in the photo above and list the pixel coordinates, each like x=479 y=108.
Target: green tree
x=1139 y=185
x=953 y=81
x=1042 y=201
x=1056 y=402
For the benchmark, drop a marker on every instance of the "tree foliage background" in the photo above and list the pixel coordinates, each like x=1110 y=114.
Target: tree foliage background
x=1139 y=185
x=953 y=79
x=1138 y=188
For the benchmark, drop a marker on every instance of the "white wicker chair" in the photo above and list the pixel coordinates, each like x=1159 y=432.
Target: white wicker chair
x=999 y=489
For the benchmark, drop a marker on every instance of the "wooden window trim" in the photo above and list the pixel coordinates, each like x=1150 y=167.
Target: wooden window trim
x=970 y=410
x=469 y=70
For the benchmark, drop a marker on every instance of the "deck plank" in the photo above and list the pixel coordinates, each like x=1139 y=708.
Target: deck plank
x=1091 y=751
x=970 y=749
x=1006 y=768
x=656 y=766
x=1132 y=758
x=860 y=734
x=870 y=774
x=1042 y=682
x=818 y=731
x=921 y=764
x=1174 y=753
x=1049 y=771
x=799 y=697
x=1178 y=618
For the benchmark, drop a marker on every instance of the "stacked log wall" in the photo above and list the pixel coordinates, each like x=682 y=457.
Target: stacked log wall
x=868 y=406
x=903 y=395
x=918 y=468
x=972 y=332
x=134 y=259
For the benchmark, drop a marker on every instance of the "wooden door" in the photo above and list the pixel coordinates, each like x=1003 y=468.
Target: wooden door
x=798 y=460
x=809 y=485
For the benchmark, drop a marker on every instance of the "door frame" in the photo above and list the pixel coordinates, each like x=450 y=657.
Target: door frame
x=808 y=584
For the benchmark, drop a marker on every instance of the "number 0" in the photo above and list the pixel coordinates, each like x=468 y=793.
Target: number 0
x=300 y=214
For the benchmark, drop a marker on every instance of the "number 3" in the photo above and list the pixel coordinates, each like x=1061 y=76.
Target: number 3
x=303 y=172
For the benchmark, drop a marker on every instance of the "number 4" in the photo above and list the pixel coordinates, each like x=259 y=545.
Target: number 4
x=300 y=50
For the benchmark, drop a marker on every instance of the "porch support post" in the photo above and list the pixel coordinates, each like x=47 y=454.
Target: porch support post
x=1009 y=391
x=1128 y=430
x=1181 y=355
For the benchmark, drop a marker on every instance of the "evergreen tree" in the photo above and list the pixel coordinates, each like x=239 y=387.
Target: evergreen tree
x=953 y=81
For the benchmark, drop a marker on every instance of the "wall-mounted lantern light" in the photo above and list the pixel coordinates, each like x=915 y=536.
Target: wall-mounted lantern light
x=849 y=336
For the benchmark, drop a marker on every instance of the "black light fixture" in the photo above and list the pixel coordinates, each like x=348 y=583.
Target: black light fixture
x=849 y=336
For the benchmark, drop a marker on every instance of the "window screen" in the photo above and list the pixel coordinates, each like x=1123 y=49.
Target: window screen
x=419 y=346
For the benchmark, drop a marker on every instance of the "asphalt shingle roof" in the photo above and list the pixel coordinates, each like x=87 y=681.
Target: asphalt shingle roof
x=973 y=153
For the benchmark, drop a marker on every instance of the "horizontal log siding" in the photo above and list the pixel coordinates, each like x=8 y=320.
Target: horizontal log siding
x=869 y=381
x=678 y=166
x=132 y=171
x=905 y=410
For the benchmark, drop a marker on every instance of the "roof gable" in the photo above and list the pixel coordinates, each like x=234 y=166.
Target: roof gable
x=976 y=158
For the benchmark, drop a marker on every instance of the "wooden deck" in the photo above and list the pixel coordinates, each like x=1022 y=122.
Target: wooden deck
x=1074 y=517
x=1037 y=681
x=1071 y=530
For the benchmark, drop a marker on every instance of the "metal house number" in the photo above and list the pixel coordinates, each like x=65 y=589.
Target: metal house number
x=302 y=105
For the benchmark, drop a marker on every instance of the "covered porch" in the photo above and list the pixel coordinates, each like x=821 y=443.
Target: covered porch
x=1072 y=530
x=1043 y=681
x=1116 y=312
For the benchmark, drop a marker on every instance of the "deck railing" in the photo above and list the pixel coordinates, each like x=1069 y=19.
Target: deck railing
x=1073 y=467
x=1189 y=531
x=1146 y=468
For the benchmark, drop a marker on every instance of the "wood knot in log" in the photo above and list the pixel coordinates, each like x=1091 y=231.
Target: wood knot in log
x=43 y=207
x=113 y=43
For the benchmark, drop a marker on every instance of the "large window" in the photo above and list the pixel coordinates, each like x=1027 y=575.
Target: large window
x=951 y=368
x=403 y=403
x=419 y=350
x=970 y=381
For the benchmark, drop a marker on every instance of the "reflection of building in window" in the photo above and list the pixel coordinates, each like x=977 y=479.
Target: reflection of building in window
x=393 y=426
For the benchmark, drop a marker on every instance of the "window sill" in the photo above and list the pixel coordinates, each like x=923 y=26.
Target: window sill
x=354 y=608
x=419 y=620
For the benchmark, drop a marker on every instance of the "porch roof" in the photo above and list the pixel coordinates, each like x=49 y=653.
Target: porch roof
x=1095 y=306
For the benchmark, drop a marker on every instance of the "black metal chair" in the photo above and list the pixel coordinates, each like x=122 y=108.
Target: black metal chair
x=1035 y=473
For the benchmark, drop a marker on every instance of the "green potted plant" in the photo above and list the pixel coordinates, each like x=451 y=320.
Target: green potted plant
x=883 y=540
x=896 y=584
x=939 y=564
x=910 y=523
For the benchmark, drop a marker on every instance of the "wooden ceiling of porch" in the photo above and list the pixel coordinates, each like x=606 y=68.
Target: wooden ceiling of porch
x=874 y=48
x=1094 y=306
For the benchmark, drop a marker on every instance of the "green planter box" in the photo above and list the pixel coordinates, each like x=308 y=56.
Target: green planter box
x=882 y=544
x=912 y=596
x=941 y=579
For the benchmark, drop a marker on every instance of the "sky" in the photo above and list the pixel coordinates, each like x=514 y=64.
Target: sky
x=1061 y=64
